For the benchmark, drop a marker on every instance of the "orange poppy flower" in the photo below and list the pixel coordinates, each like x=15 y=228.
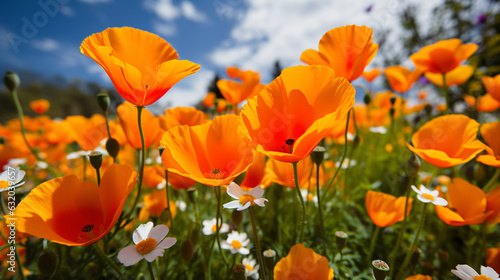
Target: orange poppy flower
x=466 y=204
x=302 y=263
x=255 y=172
x=141 y=65
x=88 y=133
x=447 y=141
x=457 y=76
x=490 y=132
x=347 y=50
x=492 y=205
x=40 y=106
x=372 y=75
x=384 y=209
x=153 y=176
x=182 y=116
x=294 y=112
x=209 y=99
x=212 y=154
x=221 y=105
x=154 y=204
x=401 y=79
x=74 y=213
x=443 y=56
x=282 y=173
x=485 y=103
x=127 y=114
x=180 y=182
x=492 y=85
x=235 y=92
x=493 y=258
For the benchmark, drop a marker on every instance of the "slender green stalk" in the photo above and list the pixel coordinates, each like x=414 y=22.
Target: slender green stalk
x=491 y=183
x=84 y=158
x=151 y=273
x=157 y=266
x=106 y=259
x=438 y=243
x=257 y=244
x=218 y=222
x=482 y=247
x=168 y=200
x=372 y=244
x=447 y=95
x=107 y=124
x=412 y=247
x=302 y=206
x=320 y=211
x=141 y=163
x=98 y=174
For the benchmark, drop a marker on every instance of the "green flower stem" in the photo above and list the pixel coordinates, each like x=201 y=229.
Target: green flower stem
x=257 y=244
x=84 y=158
x=218 y=222
x=151 y=273
x=302 y=206
x=372 y=244
x=168 y=200
x=447 y=96
x=107 y=123
x=106 y=259
x=98 y=174
x=482 y=248
x=23 y=132
x=491 y=183
x=438 y=243
x=141 y=164
x=412 y=247
x=320 y=211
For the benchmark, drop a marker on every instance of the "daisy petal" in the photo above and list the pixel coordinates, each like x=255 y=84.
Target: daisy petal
x=244 y=251
x=467 y=270
x=243 y=207
x=129 y=256
x=167 y=243
x=260 y=201
x=440 y=201
x=256 y=192
x=423 y=199
x=489 y=272
x=142 y=232
x=415 y=189
x=225 y=245
x=158 y=232
x=151 y=256
x=235 y=191
x=231 y=205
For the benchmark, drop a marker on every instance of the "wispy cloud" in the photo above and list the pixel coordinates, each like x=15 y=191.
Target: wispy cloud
x=95 y=1
x=190 y=12
x=45 y=45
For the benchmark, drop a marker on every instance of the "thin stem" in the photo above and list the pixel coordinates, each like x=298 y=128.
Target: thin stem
x=106 y=259
x=151 y=273
x=168 y=200
x=438 y=243
x=257 y=244
x=107 y=124
x=491 y=183
x=218 y=222
x=320 y=211
x=447 y=95
x=141 y=164
x=302 y=206
x=482 y=247
x=84 y=158
x=412 y=247
x=98 y=174
x=157 y=267
x=372 y=244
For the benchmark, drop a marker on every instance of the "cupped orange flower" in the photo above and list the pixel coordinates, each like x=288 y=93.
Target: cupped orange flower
x=485 y=103
x=282 y=173
x=75 y=213
x=443 y=56
x=466 y=204
x=294 y=112
x=235 y=92
x=302 y=263
x=40 y=106
x=400 y=78
x=346 y=49
x=127 y=114
x=182 y=116
x=372 y=75
x=492 y=205
x=141 y=65
x=447 y=141
x=88 y=133
x=212 y=154
x=457 y=76
x=255 y=172
x=492 y=85
x=154 y=204
x=180 y=182
x=384 y=209
x=209 y=99
x=493 y=258
x=154 y=175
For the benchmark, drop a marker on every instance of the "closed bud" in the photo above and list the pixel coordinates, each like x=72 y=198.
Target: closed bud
x=318 y=154
x=428 y=109
x=479 y=172
x=3 y=139
x=194 y=235
x=11 y=81
x=355 y=142
x=415 y=257
x=187 y=250
x=113 y=147
x=237 y=217
x=192 y=195
x=391 y=112
x=239 y=272
x=161 y=150
x=96 y=159
x=47 y=263
x=380 y=269
x=341 y=239
x=103 y=100
x=269 y=259
x=393 y=100
x=367 y=99
x=413 y=165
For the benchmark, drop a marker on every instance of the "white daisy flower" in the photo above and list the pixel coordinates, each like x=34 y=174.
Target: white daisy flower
x=427 y=196
x=79 y=154
x=244 y=199
x=466 y=272
x=346 y=163
x=378 y=129
x=15 y=162
x=308 y=196
x=150 y=242
x=236 y=243
x=11 y=178
x=251 y=267
x=210 y=227
x=181 y=205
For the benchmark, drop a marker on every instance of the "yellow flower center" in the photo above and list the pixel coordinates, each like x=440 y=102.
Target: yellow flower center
x=310 y=197
x=214 y=228
x=244 y=199
x=428 y=196
x=481 y=277
x=146 y=246
x=249 y=267
x=236 y=244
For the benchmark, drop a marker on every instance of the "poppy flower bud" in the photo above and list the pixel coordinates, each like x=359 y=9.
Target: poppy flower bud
x=194 y=235
x=161 y=149
x=269 y=259
x=380 y=269
x=239 y=272
x=415 y=257
x=318 y=154
x=479 y=172
x=428 y=109
x=355 y=142
x=187 y=250
x=341 y=239
x=47 y=263
x=393 y=100
x=96 y=159
x=103 y=100
x=367 y=99
x=3 y=139
x=392 y=111
x=11 y=81
x=237 y=217
x=192 y=195
x=413 y=165
x=113 y=147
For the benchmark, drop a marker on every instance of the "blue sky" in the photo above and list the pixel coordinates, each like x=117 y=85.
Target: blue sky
x=45 y=35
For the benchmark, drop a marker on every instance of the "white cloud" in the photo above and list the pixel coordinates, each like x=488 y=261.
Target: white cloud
x=46 y=44
x=67 y=11
x=164 y=29
x=95 y=1
x=190 y=12
x=164 y=9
